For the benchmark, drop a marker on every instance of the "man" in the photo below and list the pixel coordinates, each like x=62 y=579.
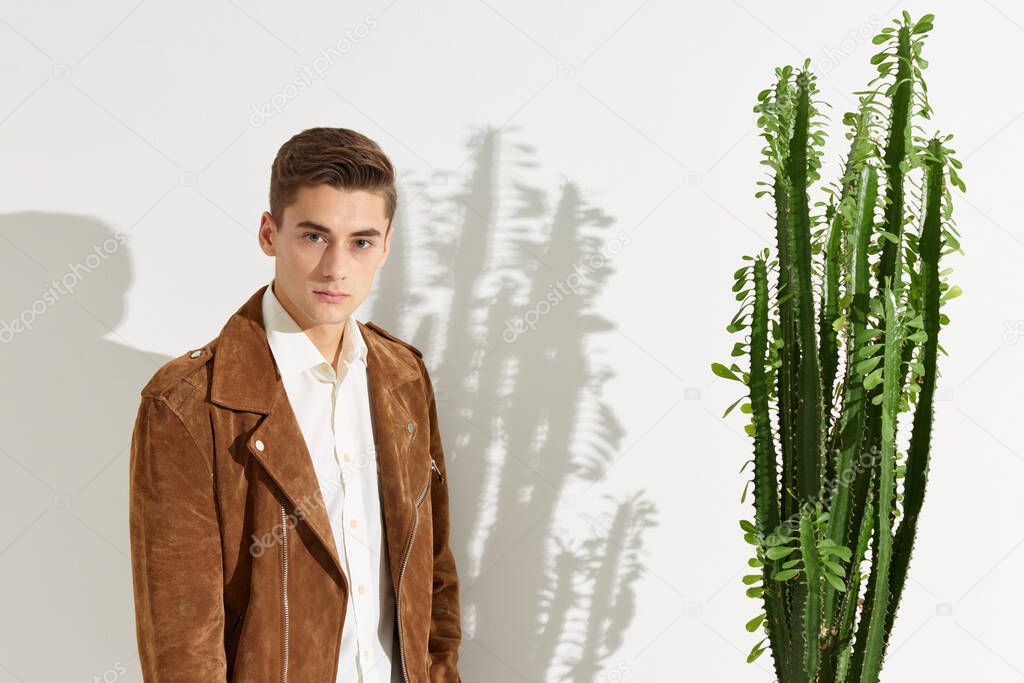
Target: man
x=289 y=498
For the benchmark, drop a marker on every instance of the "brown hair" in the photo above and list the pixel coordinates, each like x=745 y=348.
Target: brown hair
x=339 y=157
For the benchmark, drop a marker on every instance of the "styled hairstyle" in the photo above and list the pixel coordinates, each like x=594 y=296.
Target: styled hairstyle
x=339 y=157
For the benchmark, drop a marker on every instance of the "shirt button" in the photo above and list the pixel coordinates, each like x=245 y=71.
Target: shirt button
x=354 y=523
x=362 y=588
x=366 y=653
x=348 y=457
x=259 y=445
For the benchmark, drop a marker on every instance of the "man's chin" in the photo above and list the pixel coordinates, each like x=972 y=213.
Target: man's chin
x=326 y=313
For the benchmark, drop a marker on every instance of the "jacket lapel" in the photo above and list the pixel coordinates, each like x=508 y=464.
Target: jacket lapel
x=245 y=377
x=392 y=418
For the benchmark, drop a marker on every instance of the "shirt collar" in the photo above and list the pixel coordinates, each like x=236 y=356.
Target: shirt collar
x=293 y=350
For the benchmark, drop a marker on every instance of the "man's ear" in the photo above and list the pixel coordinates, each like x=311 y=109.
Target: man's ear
x=268 y=234
x=388 y=233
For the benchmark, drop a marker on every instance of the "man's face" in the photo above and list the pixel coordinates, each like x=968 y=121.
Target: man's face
x=331 y=241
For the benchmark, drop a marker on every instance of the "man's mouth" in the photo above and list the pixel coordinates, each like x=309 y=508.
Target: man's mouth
x=325 y=295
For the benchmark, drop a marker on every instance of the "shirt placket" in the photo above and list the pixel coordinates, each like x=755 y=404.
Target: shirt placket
x=352 y=463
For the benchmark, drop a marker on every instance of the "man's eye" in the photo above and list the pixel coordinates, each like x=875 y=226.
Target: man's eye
x=313 y=234
x=368 y=243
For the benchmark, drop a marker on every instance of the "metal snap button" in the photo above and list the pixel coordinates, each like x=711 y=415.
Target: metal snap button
x=195 y=354
x=409 y=427
x=259 y=445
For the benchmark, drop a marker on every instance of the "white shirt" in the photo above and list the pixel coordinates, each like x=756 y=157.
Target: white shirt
x=334 y=415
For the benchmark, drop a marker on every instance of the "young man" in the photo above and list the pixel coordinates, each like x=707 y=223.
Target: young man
x=289 y=503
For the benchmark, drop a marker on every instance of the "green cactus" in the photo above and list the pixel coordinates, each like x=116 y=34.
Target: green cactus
x=841 y=334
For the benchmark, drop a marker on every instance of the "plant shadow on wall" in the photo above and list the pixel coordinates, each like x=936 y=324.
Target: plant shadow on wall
x=497 y=294
x=71 y=387
x=841 y=331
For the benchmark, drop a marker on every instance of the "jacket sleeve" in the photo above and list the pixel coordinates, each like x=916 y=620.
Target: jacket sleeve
x=445 y=625
x=177 y=570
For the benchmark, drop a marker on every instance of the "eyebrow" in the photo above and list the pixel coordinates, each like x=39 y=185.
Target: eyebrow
x=365 y=232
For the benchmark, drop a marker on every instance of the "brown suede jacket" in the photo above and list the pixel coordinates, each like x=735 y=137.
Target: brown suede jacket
x=234 y=564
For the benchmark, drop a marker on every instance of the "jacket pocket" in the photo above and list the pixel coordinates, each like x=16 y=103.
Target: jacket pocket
x=401 y=574
x=284 y=591
x=437 y=470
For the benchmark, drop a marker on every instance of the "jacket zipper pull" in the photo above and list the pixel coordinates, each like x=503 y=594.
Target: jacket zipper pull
x=433 y=466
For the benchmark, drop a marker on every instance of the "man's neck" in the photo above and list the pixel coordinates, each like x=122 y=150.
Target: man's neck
x=327 y=338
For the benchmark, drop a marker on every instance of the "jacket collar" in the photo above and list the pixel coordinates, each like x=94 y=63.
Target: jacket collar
x=246 y=377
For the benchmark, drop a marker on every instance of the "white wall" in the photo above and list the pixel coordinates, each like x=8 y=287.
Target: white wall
x=621 y=129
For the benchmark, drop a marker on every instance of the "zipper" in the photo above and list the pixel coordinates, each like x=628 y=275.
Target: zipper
x=433 y=466
x=401 y=573
x=284 y=591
